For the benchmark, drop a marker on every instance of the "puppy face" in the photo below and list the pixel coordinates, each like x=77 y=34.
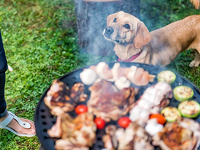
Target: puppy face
x=123 y=28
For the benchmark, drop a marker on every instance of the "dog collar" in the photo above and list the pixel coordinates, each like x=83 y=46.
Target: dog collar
x=132 y=57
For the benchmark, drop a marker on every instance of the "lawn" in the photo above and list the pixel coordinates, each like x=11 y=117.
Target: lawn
x=40 y=42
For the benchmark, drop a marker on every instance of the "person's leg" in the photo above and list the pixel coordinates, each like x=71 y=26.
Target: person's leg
x=3 y=68
x=3 y=110
x=13 y=124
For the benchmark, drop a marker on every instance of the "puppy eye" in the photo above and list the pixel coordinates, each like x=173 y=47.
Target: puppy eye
x=127 y=26
x=115 y=20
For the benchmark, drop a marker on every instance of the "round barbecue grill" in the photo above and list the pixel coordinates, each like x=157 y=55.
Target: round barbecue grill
x=44 y=120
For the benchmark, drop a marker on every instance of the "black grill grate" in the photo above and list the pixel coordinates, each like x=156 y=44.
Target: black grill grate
x=44 y=120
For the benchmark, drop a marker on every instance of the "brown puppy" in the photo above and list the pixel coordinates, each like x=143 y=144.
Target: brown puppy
x=133 y=42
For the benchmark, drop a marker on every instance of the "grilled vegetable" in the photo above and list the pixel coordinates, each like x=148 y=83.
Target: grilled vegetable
x=182 y=93
x=124 y=122
x=100 y=123
x=166 y=76
x=81 y=109
x=171 y=114
x=189 y=109
x=160 y=118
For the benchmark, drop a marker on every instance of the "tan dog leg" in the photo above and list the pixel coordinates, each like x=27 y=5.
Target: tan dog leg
x=196 y=61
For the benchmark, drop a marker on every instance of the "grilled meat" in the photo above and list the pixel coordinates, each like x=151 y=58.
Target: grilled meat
x=66 y=144
x=56 y=129
x=109 y=103
x=77 y=92
x=76 y=133
x=178 y=135
x=134 y=137
x=110 y=140
x=61 y=99
x=152 y=100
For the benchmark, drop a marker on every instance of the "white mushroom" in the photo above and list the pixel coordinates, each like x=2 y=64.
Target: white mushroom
x=122 y=82
x=153 y=127
x=88 y=76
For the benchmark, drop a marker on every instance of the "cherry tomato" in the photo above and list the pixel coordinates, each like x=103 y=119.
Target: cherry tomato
x=81 y=109
x=124 y=122
x=160 y=118
x=100 y=123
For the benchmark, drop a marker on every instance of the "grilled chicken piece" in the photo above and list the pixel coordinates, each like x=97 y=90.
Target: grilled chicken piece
x=109 y=103
x=77 y=134
x=56 y=129
x=176 y=137
x=66 y=144
x=109 y=140
x=77 y=92
x=61 y=99
x=134 y=137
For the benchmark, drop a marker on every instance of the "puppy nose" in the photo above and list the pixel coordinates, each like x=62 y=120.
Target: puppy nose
x=109 y=30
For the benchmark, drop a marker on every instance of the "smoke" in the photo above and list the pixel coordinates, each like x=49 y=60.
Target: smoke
x=91 y=21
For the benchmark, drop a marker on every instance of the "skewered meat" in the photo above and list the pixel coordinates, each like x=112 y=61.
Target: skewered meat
x=74 y=133
x=137 y=76
x=61 y=99
x=176 y=137
x=150 y=102
x=103 y=71
x=109 y=103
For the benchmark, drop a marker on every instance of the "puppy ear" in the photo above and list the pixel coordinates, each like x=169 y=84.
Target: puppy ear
x=143 y=36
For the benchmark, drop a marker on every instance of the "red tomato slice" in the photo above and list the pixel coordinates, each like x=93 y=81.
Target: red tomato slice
x=100 y=123
x=160 y=118
x=81 y=109
x=124 y=122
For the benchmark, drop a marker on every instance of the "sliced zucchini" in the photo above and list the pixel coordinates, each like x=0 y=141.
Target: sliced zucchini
x=171 y=114
x=189 y=109
x=166 y=76
x=182 y=93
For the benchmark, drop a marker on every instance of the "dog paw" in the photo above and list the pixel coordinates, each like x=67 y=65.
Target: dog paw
x=194 y=64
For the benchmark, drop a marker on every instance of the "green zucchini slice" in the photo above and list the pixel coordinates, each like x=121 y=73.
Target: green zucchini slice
x=166 y=76
x=182 y=93
x=189 y=109
x=171 y=114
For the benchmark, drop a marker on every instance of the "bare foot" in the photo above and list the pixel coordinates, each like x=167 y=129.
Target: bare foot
x=19 y=129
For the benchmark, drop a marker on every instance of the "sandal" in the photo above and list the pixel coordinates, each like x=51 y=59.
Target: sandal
x=5 y=122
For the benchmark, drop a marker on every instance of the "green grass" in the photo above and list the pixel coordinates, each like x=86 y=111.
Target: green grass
x=40 y=42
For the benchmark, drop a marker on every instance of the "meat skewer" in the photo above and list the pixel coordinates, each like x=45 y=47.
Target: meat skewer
x=135 y=75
